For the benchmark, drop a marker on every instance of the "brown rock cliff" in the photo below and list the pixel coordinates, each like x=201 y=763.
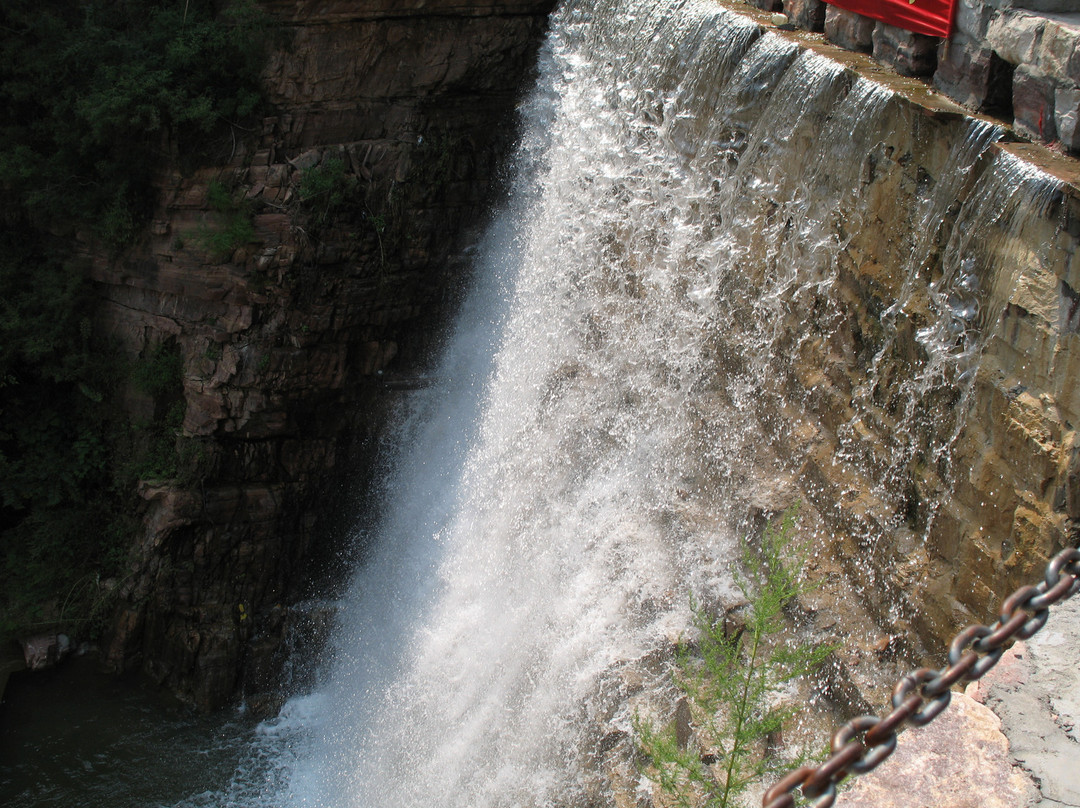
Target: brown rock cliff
x=287 y=300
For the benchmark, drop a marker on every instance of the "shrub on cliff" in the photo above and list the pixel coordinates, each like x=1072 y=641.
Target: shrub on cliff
x=730 y=681
x=56 y=430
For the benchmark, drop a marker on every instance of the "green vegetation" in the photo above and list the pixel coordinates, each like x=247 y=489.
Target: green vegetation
x=327 y=189
x=153 y=453
x=95 y=96
x=56 y=503
x=235 y=227
x=730 y=679
x=68 y=466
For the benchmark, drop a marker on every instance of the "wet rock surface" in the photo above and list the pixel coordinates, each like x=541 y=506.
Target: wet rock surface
x=1035 y=690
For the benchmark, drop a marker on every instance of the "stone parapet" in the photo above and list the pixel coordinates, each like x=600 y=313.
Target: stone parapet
x=1017 y=60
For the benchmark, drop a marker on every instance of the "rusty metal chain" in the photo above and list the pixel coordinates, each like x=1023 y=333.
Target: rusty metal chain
x=918 y=698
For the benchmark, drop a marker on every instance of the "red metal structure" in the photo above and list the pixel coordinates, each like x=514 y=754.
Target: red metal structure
x=931 y=17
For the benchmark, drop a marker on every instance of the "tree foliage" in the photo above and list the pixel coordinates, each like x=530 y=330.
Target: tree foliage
x=96 y=96
x=93 y=94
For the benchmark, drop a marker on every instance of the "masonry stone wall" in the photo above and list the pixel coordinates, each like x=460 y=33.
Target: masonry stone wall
x=1016 y=60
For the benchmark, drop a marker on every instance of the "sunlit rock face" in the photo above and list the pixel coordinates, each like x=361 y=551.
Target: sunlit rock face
x=287 y=338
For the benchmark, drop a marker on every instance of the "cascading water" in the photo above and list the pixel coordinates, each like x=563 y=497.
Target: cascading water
x=618 y=390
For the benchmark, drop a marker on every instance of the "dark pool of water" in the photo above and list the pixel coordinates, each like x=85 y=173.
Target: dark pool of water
x=76 y=737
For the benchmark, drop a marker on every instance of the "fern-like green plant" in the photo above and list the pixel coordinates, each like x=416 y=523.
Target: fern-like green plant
x=730 y=680
x=234 y=227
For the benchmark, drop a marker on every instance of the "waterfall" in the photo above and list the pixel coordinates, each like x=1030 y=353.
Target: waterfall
x=627 y=386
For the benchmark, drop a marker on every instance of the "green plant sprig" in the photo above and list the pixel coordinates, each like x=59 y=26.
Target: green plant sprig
x=730 y=679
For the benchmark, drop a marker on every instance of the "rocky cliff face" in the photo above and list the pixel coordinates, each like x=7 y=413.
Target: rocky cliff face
x=294 y=279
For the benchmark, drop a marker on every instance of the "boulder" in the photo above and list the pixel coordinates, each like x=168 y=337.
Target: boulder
x=45 y=650
x=929 y=766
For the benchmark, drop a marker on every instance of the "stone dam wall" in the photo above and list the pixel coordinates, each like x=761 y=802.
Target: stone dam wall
x=1017 y=60
x=945 y=501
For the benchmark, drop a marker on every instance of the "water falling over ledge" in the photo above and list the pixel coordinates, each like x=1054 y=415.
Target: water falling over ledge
x=734 y=275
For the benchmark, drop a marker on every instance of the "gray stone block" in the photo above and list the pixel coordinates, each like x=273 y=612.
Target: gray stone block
x=1033 y=105
x=1057 y=52
x=973 y=17
x=1015 y=36
x=1067 y=117
x=970 y=73
x=849 y=30
x=907 y=53
x=807 y=14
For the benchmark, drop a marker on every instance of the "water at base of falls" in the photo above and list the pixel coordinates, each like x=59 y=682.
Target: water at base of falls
x=74 y=736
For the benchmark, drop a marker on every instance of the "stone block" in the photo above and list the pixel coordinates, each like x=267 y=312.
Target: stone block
x=909 y=54
x=973 y=18
x=1072 y=69
x=849 y=30
x=1067 y=117
x=807 y=14
x=970 y=73
x=1056 y=54
x=1015 y=36
x=1033 y=104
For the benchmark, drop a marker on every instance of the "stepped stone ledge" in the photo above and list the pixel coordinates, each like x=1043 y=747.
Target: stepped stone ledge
x=1018 y=60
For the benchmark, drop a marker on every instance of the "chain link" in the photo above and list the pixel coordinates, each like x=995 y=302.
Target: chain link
x=921 y=696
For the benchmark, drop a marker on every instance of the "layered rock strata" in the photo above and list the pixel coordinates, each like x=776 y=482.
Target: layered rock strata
x=929 y=413
x=325 y=271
